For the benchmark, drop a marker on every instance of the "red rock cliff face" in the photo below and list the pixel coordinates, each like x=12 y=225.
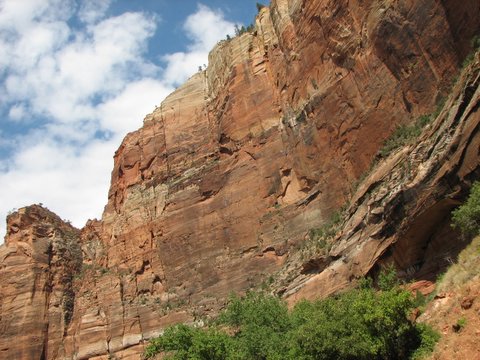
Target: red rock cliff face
x=38 y=263
x=228 y=175
x=401 y=213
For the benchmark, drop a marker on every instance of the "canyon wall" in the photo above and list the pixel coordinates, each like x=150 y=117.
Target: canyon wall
x=223 y=183
x=401 y=212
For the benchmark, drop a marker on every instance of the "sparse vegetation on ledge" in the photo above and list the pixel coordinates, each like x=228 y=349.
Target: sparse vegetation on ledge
x=260 y=6
x=242 y=30
x=320 y=239
x=475 y=43
x=405 y=134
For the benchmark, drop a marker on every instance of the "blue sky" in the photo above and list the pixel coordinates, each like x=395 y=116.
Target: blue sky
x=77 y=75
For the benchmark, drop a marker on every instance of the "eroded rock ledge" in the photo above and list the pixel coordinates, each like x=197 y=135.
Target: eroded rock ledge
x=401 y=212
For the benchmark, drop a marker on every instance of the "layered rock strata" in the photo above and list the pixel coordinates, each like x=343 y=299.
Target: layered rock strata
x=228 y=175
x=401 y=213
x=39 y=261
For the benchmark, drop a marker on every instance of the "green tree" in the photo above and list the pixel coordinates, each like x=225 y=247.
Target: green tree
x=467 y=216
x=360 y=324
x=388 y=280
x=184 y=342
x=260 y=323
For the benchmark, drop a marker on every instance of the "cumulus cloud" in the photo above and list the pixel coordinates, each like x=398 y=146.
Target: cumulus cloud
x=60 y=77
x=204 y=28
x=17 y=112
x=135 y=99
x=93 y=10
x=60 y=176
x=78 y=90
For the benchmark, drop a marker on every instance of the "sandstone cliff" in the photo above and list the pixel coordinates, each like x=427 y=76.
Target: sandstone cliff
x=401 y=213
x=224 y=181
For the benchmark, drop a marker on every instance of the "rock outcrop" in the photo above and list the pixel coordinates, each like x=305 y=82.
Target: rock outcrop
x=225 y=179
x=401 y=213
x=39 y=261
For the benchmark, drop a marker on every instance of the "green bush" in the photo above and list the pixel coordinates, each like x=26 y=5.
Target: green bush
x=387 y=280
x=242 y=30
x=319 y=238
x=184 y=342
x=405 y=134
x=461 y=323
x=467 y=216
x=259 y=7
x=260 y=323
x=475 y=44
x=402 y=136
x=362 y=323
x=428 y=339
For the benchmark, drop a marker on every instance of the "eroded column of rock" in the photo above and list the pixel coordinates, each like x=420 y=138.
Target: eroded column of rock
x=38 y=263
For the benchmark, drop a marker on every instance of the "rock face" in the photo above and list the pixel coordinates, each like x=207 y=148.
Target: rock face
x=226 y=178
x=39 y=261
x=401 y=212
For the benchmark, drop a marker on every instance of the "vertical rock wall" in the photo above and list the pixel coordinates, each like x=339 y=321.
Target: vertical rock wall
x=39 y=261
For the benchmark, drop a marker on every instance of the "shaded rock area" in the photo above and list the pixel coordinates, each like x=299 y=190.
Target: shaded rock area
x=220 y=187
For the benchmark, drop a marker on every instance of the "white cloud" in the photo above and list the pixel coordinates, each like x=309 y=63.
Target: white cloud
x=74 y=83
x=59 y=78
x=204 y=28
x=62 y=178
x=126 y=111
x=181 y=65
x=19 y=15
x=93 y=10
x=17 y=112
